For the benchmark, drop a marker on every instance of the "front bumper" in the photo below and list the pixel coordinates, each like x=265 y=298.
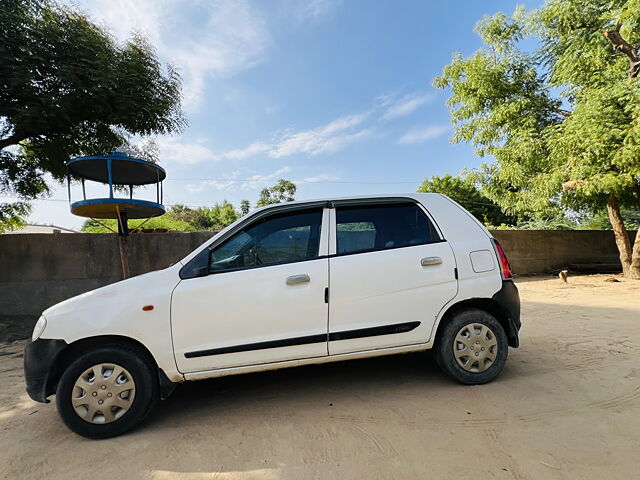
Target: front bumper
x=39 y=359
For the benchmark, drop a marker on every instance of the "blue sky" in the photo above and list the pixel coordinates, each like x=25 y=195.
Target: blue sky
x=334 y=95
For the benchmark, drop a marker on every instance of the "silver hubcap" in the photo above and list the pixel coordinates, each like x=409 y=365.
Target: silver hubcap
x=103 y=393
x=475 y=347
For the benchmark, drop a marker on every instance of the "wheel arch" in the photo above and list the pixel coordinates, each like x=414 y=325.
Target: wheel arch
x=74 y=349
x=488 y=305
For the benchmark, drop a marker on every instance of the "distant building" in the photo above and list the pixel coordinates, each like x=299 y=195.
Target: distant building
x=35 y=228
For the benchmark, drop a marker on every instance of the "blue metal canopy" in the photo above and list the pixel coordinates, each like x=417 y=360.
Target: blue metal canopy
x=120 y=170
x=117 y=169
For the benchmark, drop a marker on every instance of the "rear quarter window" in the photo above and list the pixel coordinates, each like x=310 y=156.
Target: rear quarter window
x=380 y=227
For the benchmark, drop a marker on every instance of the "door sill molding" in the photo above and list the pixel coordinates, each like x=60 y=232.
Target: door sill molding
x=308 y=339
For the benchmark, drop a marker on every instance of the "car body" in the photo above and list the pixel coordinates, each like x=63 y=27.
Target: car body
x=293 y=284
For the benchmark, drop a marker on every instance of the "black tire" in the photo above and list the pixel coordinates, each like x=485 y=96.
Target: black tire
x=444 y=348
x=140 y=367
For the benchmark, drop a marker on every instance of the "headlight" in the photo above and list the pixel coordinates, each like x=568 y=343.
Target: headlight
x=39 y=328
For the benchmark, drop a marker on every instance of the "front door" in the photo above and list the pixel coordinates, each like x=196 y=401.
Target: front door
x=263 y=299
x=391 y=274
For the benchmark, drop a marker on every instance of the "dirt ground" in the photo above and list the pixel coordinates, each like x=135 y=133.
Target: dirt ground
x=566 y=406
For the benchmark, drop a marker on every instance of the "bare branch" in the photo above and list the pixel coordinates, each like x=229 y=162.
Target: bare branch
x=14 y=139
x=619 y=43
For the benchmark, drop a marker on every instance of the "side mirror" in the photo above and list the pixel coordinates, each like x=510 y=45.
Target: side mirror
x=198 y=266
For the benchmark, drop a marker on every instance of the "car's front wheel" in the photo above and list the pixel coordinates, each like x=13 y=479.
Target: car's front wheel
x=107 y=391
x=472 y=347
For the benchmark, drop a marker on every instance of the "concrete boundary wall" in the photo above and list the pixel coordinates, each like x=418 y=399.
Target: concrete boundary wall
x=39 y=270
x=543 y=251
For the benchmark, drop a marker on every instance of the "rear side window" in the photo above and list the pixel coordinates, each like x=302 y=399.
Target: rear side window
x=378 y=227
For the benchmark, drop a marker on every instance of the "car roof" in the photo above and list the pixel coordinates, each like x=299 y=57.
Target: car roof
x=412 y=195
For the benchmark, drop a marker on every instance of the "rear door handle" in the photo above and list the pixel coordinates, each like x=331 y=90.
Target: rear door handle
x=297 y=279
x=429 y=261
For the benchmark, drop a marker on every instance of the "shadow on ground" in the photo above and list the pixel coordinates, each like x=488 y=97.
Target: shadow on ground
x=329 y=383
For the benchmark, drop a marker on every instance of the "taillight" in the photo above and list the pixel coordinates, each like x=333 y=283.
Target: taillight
x=504 y=261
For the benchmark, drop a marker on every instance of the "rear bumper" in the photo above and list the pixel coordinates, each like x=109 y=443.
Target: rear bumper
x=39 y=358
x=508 y=298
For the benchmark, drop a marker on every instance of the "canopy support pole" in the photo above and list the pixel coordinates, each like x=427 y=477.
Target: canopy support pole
x=123 y=232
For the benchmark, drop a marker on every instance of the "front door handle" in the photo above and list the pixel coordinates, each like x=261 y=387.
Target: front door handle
x=297 y=279
x=429 y=261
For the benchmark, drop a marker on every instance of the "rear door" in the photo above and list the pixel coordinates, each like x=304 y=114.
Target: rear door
x=390 y=274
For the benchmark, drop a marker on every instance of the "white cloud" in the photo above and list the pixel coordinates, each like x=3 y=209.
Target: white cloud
x=173 y=149
x=225 y=38
x=423 y=134
x=251 y=150
x=323 y=177
x=315 y=9
x=233 y=181
x=328 y=138
x=257 y=181
x=404 y=106
x=217 y=185
x=306 y=11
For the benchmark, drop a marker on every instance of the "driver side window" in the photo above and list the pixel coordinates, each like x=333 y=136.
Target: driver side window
x=276 y=239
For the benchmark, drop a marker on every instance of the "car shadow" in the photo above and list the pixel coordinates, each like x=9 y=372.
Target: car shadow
x=299 y=387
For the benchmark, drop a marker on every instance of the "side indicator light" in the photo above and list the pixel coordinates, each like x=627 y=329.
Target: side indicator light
x=147 y=308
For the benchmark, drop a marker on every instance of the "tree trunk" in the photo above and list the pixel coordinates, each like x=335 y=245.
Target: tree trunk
x=621 y=235
x=124 y=260
x=634 y=271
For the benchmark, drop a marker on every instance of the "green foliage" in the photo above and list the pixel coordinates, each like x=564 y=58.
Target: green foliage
x=12 y=215
x=563 y=121
x=283 y=191
x=206 y=218
x=600 y=221
x=565 y=113
x=68 y=89
x=179 y=218
x=245 y=207
x=538 y=223
x=470 y=197
x=166 y=221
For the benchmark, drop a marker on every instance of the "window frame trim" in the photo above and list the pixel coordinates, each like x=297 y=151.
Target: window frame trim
x=190 y=269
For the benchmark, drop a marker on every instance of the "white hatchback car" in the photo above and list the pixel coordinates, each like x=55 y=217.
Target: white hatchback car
x=287 y=285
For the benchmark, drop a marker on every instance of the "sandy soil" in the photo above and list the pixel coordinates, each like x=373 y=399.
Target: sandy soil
x=567 y=406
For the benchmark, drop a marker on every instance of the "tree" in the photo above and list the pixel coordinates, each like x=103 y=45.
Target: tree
x=600 y=220
x=245 y=207
x=166 y=221
x=469 y=196
x=218 y=216
x=562 y=122
x=179 y=218
x=68 y=89
x=283 y=191
x=206 y=218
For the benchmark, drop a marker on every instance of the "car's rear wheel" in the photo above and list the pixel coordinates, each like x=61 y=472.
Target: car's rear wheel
x=472 y=347
x=107 y=391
